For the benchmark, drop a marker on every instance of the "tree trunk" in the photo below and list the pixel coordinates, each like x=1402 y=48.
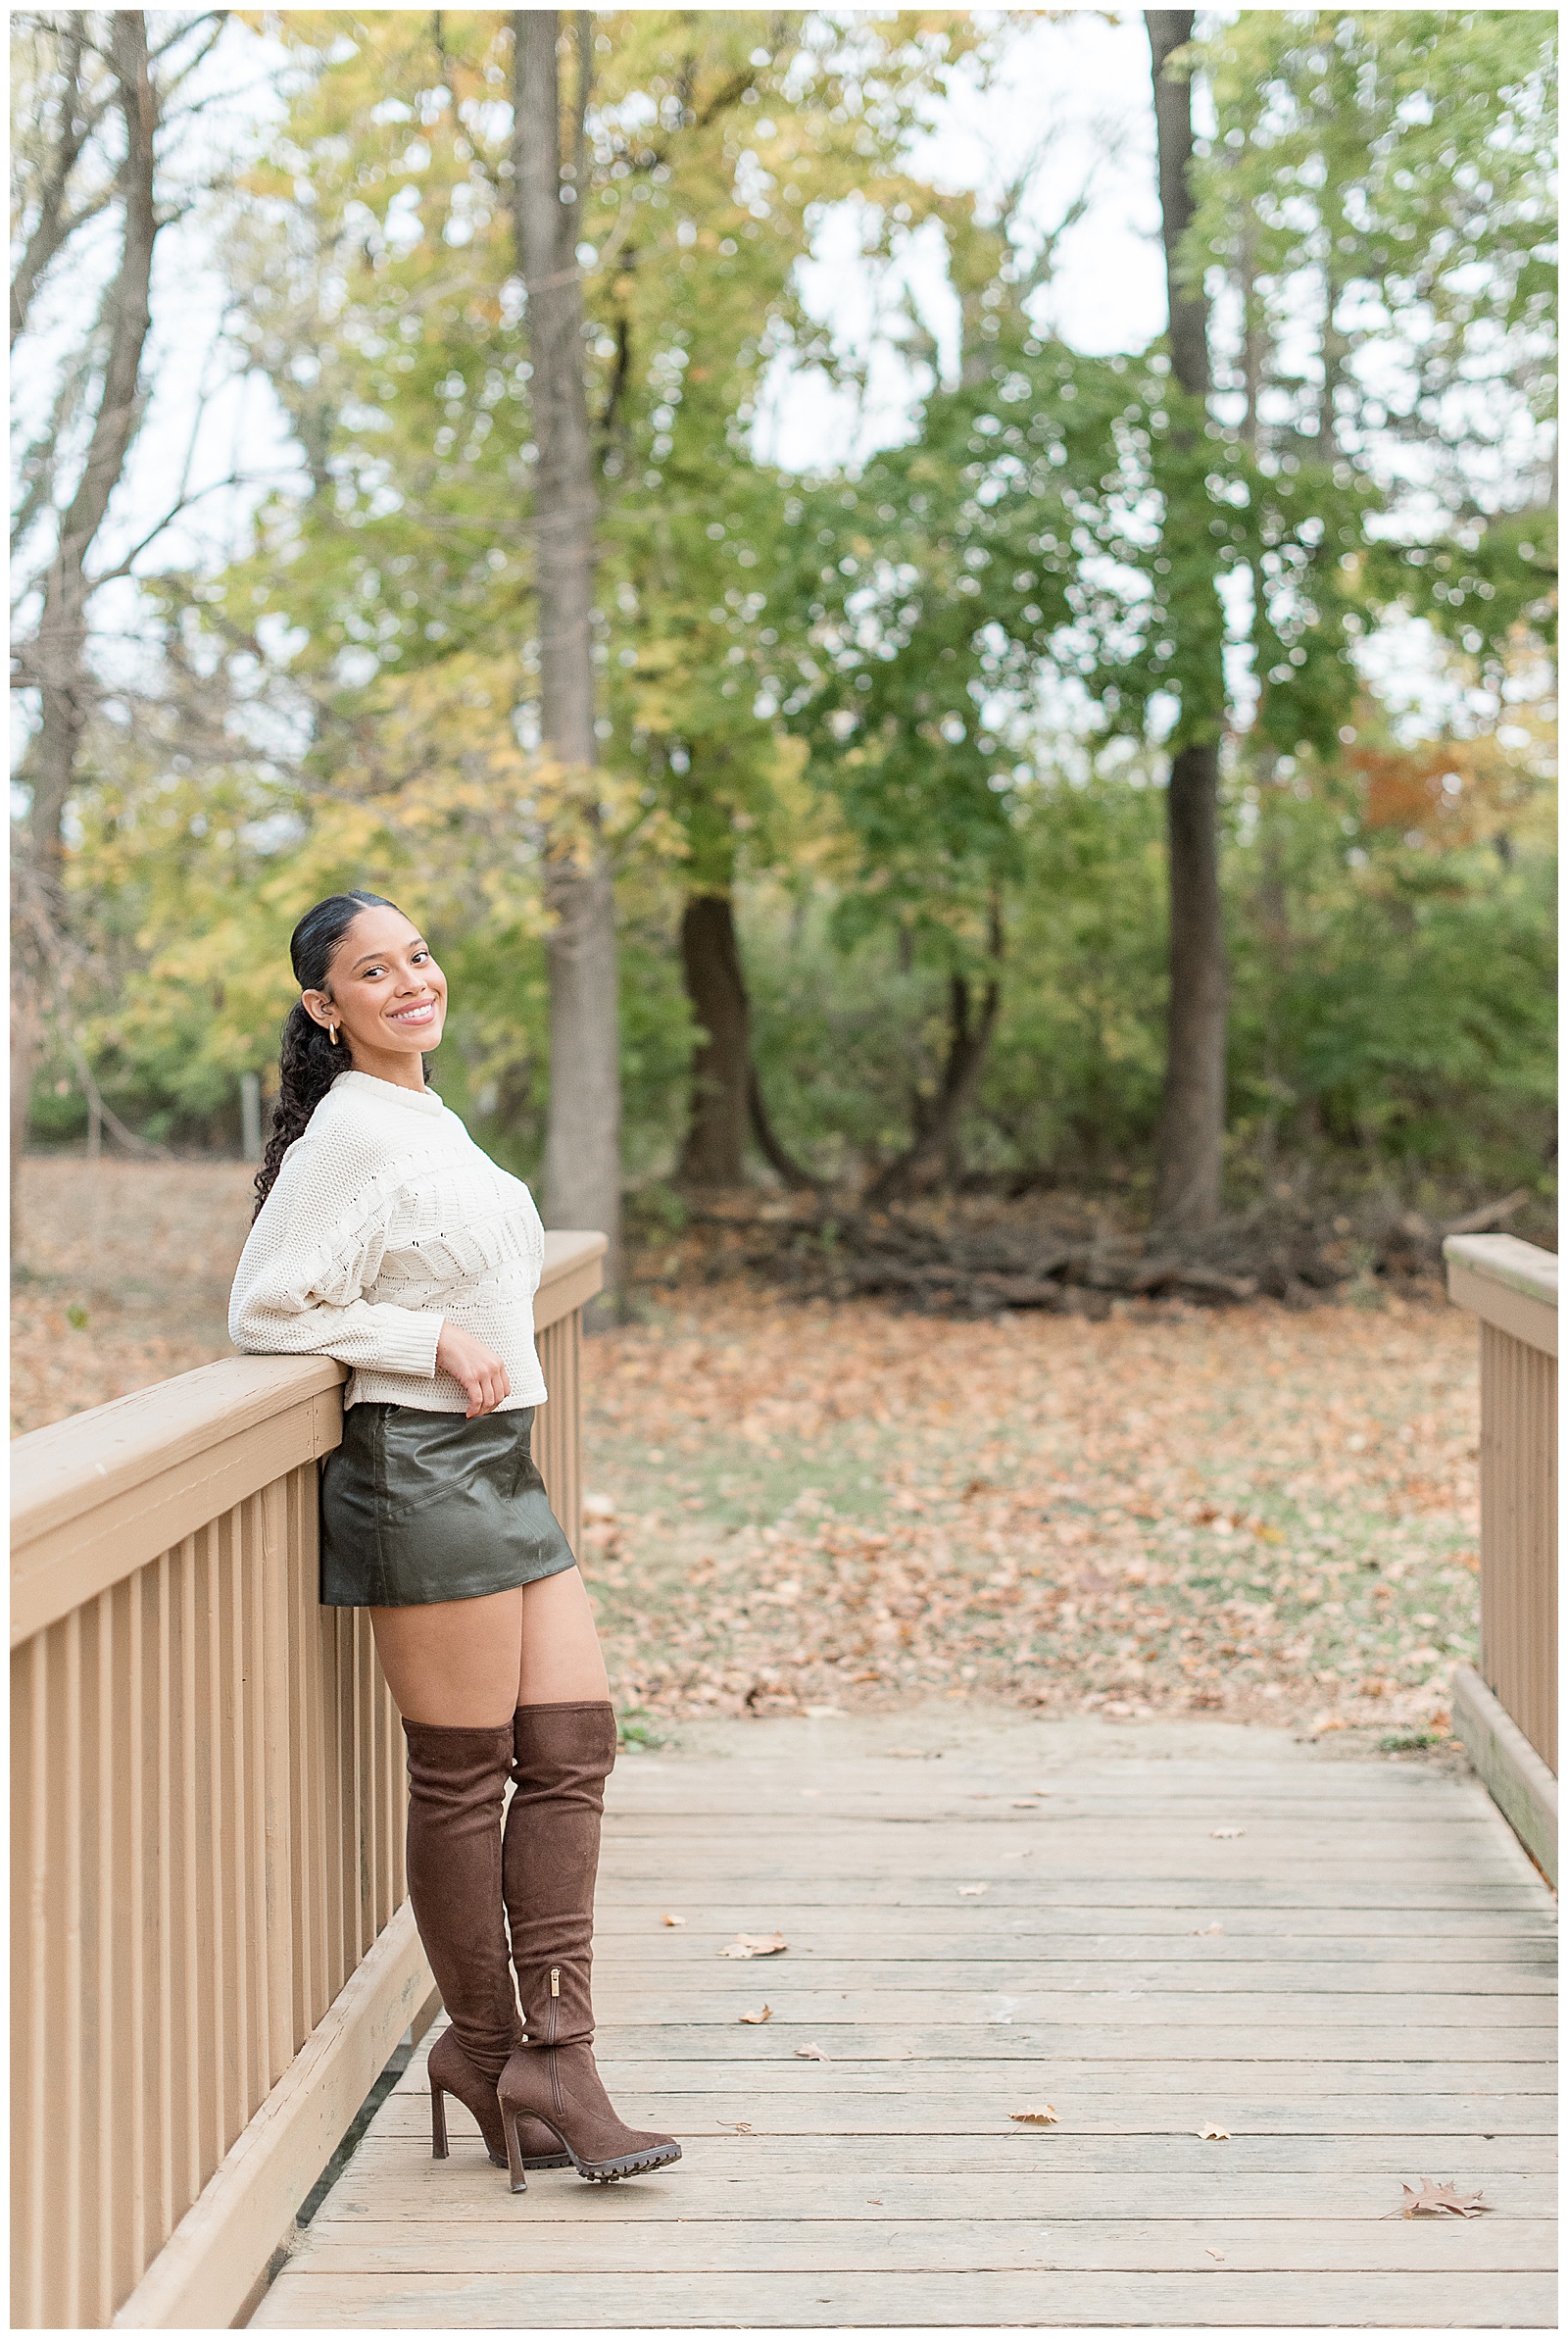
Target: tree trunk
x=582 y=1135
x=713 y=1152
x=773 y=1152
x=727 y=1094
x=1169 y=30
x=933 y=1158
x=55 y=662
x=1187 y=1191
x=1187 y=1186
x=58 y=658
x=24 y=1066
x=1274 y=922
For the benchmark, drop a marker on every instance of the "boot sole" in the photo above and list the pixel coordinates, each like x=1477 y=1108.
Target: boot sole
x=632 y=2163
x=610 y=2172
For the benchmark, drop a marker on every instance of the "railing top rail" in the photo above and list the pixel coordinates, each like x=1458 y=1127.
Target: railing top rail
x=1507 y=1282
x=99 y=1494
x=80 y=1464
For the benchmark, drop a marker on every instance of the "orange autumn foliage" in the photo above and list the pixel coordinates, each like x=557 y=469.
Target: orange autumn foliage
x=1445 y=793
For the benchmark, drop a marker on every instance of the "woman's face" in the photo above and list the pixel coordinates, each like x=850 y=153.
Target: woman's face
x=384 y=992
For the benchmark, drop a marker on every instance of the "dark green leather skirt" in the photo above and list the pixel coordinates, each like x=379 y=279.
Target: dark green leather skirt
x=418 y=1507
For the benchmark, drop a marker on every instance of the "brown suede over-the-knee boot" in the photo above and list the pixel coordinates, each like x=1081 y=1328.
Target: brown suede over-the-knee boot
x=563 y=1753
x=456 y=1779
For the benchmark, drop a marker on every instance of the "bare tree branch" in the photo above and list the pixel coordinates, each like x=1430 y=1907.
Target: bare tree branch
x=145 y=1148
x=56 y=224
x=184 y=503
x=62 y=635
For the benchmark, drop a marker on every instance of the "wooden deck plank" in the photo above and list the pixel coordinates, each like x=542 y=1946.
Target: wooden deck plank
x=922 y=1934
x=1221 y=2299
x=939 y=2244
x=1391 y=2061
x=1089 y=2006
x=1198 y=1958
x=385 y=2181
x=883 y=1990
x=873 y=2109
x=894 y=1901
x=1377 y=2007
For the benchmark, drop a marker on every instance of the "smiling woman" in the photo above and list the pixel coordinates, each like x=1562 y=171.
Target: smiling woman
x=384 y=1238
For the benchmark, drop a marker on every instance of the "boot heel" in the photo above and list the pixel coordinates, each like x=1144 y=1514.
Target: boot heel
x=512 y=2122
x=438 y=2121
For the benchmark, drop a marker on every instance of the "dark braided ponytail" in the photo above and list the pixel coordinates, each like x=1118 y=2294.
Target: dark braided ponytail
x=309 y=1063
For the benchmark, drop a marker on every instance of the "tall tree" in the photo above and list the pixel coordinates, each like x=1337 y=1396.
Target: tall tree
x=761 y=122
x=383 y=317
x=94 y=101
x=582 y=1143
x=1187 y=1190
x=932 y=591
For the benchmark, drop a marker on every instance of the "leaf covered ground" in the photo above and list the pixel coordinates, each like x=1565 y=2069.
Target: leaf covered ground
x=1249 y=1511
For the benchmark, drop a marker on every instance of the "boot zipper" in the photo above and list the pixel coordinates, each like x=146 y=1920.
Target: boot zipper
x=555 y=2007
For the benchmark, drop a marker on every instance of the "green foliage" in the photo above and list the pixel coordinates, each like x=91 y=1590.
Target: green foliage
x=1074 y=1080
x=1401 y=1027
x=914 y=715
x=1390 y=174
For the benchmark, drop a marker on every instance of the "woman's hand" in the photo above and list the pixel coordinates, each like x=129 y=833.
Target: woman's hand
x=479 y=1371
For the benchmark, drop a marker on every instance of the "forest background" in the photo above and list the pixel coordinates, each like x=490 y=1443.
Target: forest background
x=898 y=627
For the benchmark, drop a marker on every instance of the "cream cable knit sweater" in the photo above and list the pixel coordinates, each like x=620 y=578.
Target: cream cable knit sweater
x=386 y=1221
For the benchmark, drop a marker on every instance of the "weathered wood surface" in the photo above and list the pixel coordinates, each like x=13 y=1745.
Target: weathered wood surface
x=1377 y=2007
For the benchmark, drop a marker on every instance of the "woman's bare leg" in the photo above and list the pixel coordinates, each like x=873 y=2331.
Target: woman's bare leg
x=453 y=1663
x=562 y=1663
x=466 y=1663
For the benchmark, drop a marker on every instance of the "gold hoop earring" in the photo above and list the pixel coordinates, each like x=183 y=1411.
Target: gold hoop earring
x=331 y=1033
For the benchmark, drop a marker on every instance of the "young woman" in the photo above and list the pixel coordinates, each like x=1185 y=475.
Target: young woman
x=385 y=1238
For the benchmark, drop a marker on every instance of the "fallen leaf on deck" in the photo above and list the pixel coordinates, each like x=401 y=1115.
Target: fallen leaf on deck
x=754 y=1945
x=1218 y=2256
x=742 y=2127
x=1223 y=1835
x=763 y=2014
x=1439 y=2201
x=969 y=1891
x=813 y=2055
x=1213 y=2135
x=1038 y=2115
x=667 y=1918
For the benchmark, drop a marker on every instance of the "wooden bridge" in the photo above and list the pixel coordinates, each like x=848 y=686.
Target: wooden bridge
x=1246 y=1992
x=1151 y=1930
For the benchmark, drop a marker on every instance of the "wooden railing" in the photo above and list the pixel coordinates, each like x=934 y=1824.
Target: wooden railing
x=212 y=1955
x=1507 y=1711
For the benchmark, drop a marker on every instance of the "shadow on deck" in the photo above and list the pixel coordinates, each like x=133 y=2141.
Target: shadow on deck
x=1345 y=1963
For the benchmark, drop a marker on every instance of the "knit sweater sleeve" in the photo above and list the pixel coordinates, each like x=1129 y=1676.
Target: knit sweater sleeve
x=314 y=1250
